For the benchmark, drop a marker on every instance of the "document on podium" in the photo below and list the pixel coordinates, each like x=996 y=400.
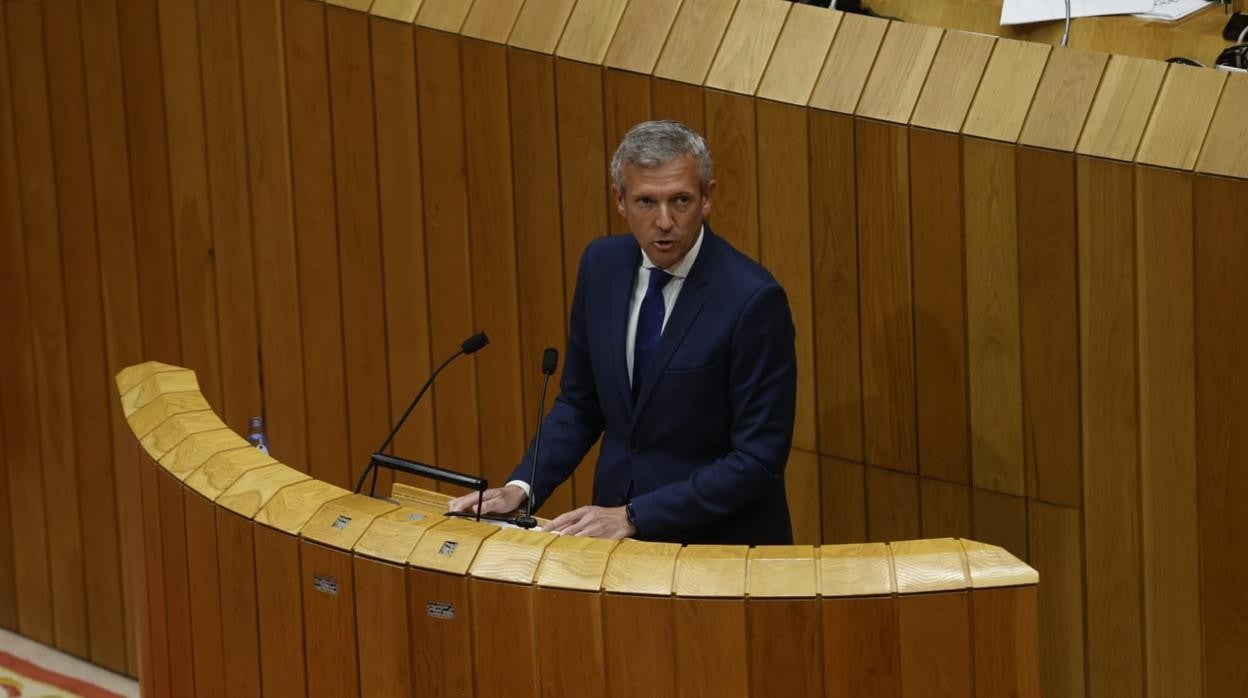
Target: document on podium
x=1025 y=11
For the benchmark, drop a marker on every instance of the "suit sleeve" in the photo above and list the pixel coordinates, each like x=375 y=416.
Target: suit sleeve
x=763 y=391
x=575 y=420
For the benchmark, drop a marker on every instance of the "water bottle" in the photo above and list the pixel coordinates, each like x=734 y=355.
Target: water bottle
x=257 y=437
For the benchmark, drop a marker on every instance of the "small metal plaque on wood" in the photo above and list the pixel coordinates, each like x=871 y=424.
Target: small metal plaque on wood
x=341 y=522
x=448 y=548
x=440 y=609
x=415 y=516
x=325 y=585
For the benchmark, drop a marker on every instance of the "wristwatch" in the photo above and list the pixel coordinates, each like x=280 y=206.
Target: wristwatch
x=632 y=518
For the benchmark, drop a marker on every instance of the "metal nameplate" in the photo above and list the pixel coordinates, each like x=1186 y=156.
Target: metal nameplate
x=325 y=585
x=341 y=522
x=415 y=516
x=448 y=548
x=440 y=609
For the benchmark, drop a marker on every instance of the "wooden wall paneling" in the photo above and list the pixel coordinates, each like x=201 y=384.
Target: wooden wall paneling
x=403 y=11
x=444 y=15
x=892 y=505
x=359 y=241
x=540 y=25
x=118 y=273
x=531 y=79
x=1224 y=151
x=1167 y=394
x=84 y=337
x=155 y=611
x=746 y=46
x=497 y=604
x=583 y=179
x=447 y=244
x=992 y=301
x=785 y=634
x=589 y=31
x=694 y=40
x=835 y=291
x=440 y=620
x=493 y=242
x=399 y=183
x=626 y=103
x=674 y=100
x=204 y=576
x=849 y=63
x=940 y=321
x=639 y=640
x=1006 y=638
x=1107 y=312
x=8 y=580
x=842 y=501
x=712 y=652
x=279 y=599
x=188 y=190
x=1220 y=251
x=569 y=637
x=353 y=5
x=865 y=665
x=1063 y=98
x=785 y=243
x=732 y=135
x=886 y=294
x=799 y=54
x=41 y=224
x=225 y=140
x=149 y=180
x=944 y=509
x=900 y=69
x=1180 y=120
x=329 y=619
x=934 y=633
x=491 y=21
x=1007 y=90
x=1049 y=310
x=952 y=81
x=285 y=271
x=174 y=566
x=381 y=616
x=1056 y=547
x=1121 y=108
x=239 y=610
x=1000 y=519
x=316 y=240
x=640 y=35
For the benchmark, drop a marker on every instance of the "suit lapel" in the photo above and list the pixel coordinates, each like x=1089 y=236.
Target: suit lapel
x=621 y=290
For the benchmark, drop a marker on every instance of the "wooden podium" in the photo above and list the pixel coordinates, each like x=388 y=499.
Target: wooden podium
x=256 y=579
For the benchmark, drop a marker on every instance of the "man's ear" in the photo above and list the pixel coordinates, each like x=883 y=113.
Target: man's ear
x=707 y=194
x=619 y=199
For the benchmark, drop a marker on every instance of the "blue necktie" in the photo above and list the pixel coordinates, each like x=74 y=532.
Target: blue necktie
x=649 y=327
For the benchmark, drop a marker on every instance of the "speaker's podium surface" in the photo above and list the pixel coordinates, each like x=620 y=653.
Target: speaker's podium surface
x=253 y=578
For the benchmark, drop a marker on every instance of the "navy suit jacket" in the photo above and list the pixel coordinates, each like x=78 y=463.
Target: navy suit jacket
x=701 y=453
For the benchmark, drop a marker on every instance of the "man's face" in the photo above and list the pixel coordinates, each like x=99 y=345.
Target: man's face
x=664 y=207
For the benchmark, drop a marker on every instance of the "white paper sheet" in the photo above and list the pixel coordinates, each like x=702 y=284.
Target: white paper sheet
x=1024 y=11
x=1174 y=9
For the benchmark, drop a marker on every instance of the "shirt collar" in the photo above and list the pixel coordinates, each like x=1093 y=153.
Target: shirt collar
x=681 y=269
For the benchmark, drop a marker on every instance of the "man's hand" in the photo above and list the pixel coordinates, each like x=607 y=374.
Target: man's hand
x=496 y=500
x=597 y=522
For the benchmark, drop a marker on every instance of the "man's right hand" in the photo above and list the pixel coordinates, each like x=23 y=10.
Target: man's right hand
x=496 y=500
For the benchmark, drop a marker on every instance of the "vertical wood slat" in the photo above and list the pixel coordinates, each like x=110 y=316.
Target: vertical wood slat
x=24 y=483
x=84 y=335
x=856 y=663
x=1005 y=638
x=330 y=639
x=673 y=100
x=945 y=509
x=940 y=322
x=155 y=614
x=495 y=603
x=174 y=568
x=843 y=500
x=936 y=646
x=442 y=668
x=279 y=600
x=1220 y=251
x=1048 y=306
x=626 y=103
x=447 y=245
x=712 y=651
x=384 y=632
x=886 y=295
x=732 y=130
x=359 y=243
x=1055 y=546
x=492 y=236
x=1110 y=432
x=239 y=604
x=8 y=580
x=993 y=342
x=41 y=233
x=204 y=575
x=639 y=638
x=280 y=264
x=892 y=505
x=569 y=635
x=1167 y=385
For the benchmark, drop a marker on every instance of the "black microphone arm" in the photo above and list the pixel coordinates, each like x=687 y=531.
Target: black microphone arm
x=469 y=346
x=550 y=361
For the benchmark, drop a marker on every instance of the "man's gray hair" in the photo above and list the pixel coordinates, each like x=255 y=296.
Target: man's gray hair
x=655 y=143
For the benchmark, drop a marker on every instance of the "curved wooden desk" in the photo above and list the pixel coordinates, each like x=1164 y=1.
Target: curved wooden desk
x=261 y=580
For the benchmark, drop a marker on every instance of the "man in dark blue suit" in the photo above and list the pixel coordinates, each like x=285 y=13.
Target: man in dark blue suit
x=680 y=355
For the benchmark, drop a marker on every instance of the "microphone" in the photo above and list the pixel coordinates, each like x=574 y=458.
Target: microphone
x=469 y=346
x=550 y=361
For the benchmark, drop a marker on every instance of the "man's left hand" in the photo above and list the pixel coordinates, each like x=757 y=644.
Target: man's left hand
x=596 y=522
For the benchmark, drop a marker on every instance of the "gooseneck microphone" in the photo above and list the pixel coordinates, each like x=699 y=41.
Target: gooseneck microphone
x=469 y=346
x=550 y=361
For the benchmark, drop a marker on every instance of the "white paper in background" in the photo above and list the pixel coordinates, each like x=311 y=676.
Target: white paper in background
x=1024 y=11
x=1174 y=9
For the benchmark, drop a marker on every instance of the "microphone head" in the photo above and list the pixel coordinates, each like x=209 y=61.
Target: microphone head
x=550 y=360
x=474 y=343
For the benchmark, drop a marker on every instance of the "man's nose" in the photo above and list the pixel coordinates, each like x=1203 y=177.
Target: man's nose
x=665 y=220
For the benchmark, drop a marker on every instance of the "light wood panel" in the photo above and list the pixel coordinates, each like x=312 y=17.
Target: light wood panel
x=1063 y=99
x=445 y=15
x=1120 y=111
x=848 y=64
x=900 y=70
x=589 y=31
x=1224 y=151
x=1007 y=90
x=492 y=21
x=540 y=25
x=799 y=54
x=1181 y=117
x=402 y=10
x=730 y=122
x=952 y=80
x=642 y=31
x=746 y=45
x=693 y=40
